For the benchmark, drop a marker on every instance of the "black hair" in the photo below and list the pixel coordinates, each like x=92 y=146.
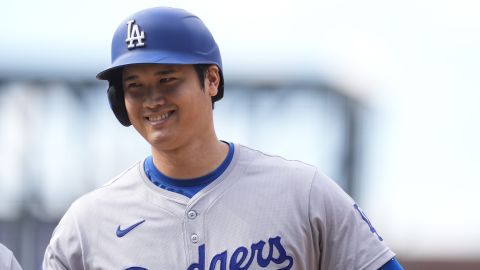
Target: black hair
x=201 y=70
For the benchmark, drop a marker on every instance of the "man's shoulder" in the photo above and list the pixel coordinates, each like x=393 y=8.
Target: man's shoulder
x=95 y=210
x=4 y=252
x=118 y=187
x=263 y=158
x=259 y=161
x=7 y=259
x=121 y=178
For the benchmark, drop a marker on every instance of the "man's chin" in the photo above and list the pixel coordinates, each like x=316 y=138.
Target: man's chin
x=162 y=142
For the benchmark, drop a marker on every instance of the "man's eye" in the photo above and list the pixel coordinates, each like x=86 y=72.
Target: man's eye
x=133 y=85
x=166 y=80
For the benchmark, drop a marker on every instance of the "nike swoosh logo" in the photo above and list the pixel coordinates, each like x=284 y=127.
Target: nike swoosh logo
x=122 y=233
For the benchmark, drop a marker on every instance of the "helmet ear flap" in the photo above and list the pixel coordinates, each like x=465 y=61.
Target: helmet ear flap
x=117 y=104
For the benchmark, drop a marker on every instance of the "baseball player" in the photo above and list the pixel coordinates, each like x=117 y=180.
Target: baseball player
x=199 y=203
x=7 y=259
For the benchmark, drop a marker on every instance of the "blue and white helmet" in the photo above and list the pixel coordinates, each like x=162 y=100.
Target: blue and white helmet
x=160 y=35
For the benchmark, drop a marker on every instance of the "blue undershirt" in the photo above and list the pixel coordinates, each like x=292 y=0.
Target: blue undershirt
x=393 y=264
x=186 y=187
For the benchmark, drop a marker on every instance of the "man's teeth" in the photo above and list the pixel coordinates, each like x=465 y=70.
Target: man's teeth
x=158 y=117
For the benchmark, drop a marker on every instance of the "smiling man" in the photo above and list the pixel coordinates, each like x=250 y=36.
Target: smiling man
x=169 y=107
x=198 y=202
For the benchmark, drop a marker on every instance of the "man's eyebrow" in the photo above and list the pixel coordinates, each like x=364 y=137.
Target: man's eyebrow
x=161 y=72
x=165 y=72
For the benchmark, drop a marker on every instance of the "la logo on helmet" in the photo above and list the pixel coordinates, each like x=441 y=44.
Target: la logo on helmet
x=134 y=34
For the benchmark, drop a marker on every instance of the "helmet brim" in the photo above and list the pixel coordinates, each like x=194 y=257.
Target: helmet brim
x=152 y=57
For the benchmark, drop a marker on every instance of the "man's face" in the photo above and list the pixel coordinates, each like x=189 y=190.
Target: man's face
x=166 y=104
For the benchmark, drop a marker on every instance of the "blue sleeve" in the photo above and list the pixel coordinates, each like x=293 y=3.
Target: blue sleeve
x=393 y=264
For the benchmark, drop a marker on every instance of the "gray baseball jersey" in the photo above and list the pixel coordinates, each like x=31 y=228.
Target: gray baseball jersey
x=263 y=212
x=7 y=260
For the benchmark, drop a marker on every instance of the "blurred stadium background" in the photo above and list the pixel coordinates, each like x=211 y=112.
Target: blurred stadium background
x=381 y=95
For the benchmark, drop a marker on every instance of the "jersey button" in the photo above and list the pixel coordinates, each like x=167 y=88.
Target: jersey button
x=194 y=238
x=192 y=214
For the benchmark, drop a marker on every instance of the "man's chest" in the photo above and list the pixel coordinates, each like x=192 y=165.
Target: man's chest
x=223 y=236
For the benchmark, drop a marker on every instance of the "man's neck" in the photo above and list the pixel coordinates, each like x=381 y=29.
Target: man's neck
x=192 y=160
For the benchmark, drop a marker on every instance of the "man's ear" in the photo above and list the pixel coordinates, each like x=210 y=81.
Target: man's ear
x=212 y=80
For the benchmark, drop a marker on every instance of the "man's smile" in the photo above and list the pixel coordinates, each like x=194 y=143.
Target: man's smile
x=159 y=118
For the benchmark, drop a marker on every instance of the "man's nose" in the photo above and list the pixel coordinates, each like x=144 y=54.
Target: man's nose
x=154 y=97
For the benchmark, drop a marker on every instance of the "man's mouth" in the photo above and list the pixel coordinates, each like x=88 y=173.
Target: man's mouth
x=160 y=117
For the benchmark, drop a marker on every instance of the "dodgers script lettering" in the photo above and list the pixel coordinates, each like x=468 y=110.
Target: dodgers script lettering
x=238 y=259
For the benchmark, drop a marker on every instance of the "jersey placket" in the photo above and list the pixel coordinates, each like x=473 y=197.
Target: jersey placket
x=194 y=231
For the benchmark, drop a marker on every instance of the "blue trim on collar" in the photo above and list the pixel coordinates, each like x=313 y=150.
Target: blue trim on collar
x=161 y=180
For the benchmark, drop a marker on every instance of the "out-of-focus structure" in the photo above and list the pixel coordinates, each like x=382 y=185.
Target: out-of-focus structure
x=380 y=96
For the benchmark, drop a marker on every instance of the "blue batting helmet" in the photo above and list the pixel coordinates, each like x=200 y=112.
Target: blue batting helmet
x=161 y=35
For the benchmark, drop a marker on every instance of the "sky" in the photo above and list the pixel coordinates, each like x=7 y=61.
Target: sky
x=414 y=65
